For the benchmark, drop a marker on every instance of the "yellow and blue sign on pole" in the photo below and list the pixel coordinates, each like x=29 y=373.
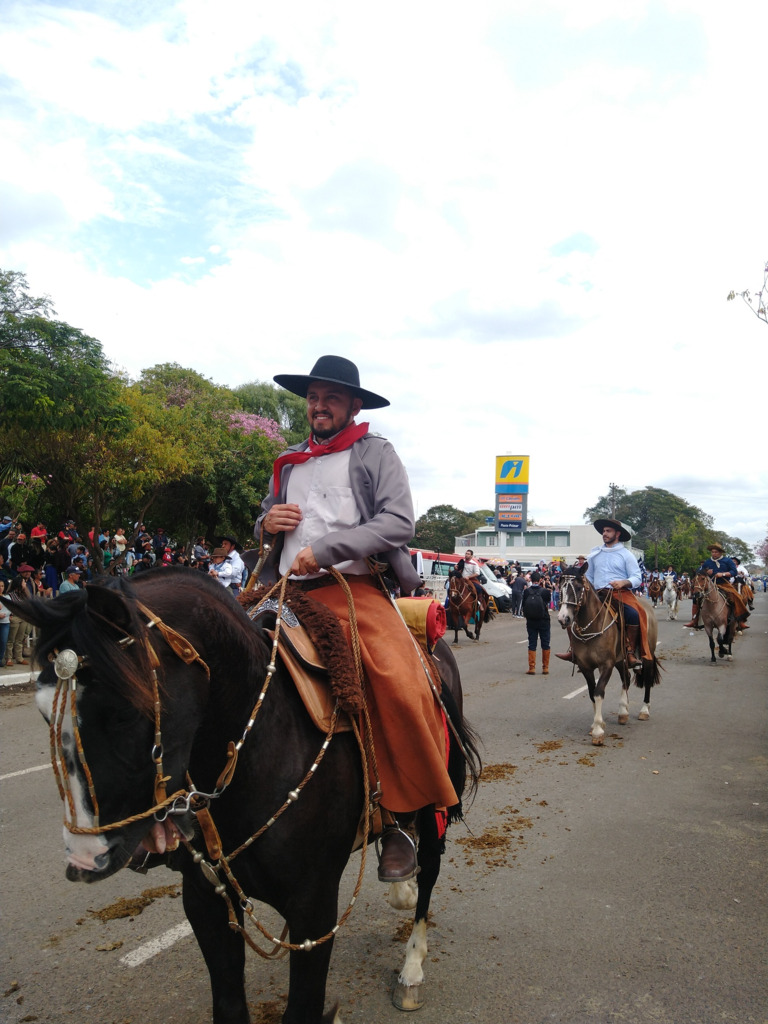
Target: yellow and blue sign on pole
x=512 y=473
x=511 y=492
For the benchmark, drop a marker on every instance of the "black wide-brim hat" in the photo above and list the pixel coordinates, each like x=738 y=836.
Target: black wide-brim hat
x=331 y=370
x=624 y=531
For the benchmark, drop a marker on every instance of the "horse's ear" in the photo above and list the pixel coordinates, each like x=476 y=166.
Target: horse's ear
x=109 y=604
x=583 y=568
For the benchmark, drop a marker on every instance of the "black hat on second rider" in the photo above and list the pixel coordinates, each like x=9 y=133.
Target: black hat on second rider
x=624 y=531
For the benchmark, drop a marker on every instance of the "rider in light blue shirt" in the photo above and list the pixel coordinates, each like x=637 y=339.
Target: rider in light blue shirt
x=609 y=564
x=611 y=567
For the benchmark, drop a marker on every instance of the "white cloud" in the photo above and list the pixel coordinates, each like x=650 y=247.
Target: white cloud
x=521 y=222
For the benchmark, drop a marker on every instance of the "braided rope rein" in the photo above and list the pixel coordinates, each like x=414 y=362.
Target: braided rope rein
x=185 y=799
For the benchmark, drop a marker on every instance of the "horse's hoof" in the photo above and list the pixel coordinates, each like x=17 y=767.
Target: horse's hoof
x=623 y=719
x=407 y=997
x=597 y=741
x=643 y=716
x=403 y=895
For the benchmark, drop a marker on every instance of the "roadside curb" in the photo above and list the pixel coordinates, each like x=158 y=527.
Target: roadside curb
x=12 y=677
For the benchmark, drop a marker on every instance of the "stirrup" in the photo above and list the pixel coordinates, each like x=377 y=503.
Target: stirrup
x=408 y=866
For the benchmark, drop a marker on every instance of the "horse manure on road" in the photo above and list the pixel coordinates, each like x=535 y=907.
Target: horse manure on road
x=132 y=906
x=497 y=772
x=270 y=1012
x=548 y=745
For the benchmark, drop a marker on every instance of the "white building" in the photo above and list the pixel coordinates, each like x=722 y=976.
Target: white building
x=534 y=544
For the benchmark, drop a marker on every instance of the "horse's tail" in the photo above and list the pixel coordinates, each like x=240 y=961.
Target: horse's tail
x=464 y=761
x=649 y=674
x=490 y=610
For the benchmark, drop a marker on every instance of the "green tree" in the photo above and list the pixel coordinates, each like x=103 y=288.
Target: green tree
x=437 y=529
x=79 y=440
x=476 y=520
x=666 y=527
x=52 y=375
x=610 y=506
x=230 y=454
x=287 y=410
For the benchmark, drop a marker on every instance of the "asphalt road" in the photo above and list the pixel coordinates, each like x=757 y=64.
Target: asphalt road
x=626 y=883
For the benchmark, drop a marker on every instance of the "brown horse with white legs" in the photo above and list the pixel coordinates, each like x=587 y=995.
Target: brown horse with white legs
x=716 y=616
x=466 y=604
x=596 y=631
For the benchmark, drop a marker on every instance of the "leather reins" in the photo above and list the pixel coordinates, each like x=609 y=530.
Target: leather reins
x=67 y=662
x=578 y=601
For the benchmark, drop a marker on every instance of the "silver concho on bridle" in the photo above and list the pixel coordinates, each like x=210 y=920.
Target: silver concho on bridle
x=65 y=664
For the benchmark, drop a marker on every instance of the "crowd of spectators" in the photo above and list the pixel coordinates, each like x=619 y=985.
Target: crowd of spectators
x=43 y=562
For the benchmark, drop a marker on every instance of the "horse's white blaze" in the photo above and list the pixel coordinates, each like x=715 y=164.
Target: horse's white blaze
x=403 y=895
x=565 y=616
x=415 y=955
x=82 y=851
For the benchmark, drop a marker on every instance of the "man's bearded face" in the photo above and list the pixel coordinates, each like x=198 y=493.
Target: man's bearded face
x=330 y=408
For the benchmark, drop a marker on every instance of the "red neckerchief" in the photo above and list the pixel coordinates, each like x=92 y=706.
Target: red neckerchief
x=338 y=443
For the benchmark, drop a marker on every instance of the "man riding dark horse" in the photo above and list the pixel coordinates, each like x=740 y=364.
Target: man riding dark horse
x=612 y=568
x=341 y=499
x=721 y=569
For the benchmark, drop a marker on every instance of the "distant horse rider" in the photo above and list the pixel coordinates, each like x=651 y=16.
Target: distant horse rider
x=721 y=569
x=612 y=567
x=342 y=499
x=471 y=571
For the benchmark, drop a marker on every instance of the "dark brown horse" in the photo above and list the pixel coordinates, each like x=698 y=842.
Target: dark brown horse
x=655 y=588
x=467 y=604
x=596 y=631
x=716 y=616
x=173 y=729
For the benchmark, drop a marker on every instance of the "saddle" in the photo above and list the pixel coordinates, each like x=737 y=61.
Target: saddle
x=314 y=651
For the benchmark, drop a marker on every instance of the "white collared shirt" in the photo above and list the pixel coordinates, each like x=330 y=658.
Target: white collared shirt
x=321 y=488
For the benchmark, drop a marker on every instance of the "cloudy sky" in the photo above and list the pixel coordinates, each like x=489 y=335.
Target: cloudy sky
x=521 y=219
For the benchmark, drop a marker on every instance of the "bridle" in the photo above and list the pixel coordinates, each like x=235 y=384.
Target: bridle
x=66 y=664
x=708 y=591
x=576 y=598
x=217 y=868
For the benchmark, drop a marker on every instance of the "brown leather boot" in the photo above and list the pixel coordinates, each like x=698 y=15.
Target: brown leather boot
x=568 y=656
x=694 y=623
x=397 y=857
x=531 y=663
x=633 y=638
x=545 y=663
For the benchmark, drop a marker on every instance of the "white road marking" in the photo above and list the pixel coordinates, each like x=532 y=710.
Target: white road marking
x=575 y=693
x=155 y=946
x=25 y=771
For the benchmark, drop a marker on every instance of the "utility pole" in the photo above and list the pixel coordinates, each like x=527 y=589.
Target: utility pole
x=612 y=495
